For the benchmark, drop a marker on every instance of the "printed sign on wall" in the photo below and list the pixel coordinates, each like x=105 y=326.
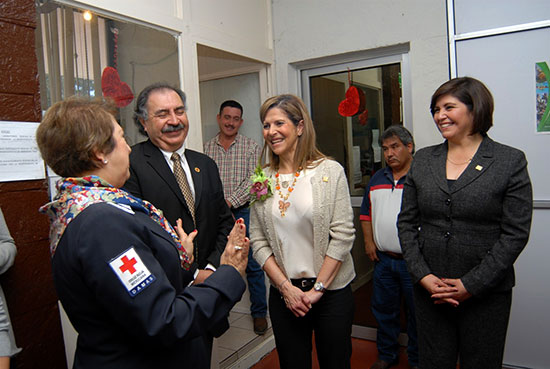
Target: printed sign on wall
x=542 y=76
x=19 y=156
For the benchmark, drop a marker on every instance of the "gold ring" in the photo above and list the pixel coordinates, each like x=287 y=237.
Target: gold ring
x=238 y=248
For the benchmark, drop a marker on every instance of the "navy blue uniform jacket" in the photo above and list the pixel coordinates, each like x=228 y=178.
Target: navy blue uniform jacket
x=166 y=325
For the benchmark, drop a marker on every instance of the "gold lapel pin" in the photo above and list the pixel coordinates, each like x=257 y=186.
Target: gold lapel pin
x=197 y=170
x=325 y=179
x=479 y=167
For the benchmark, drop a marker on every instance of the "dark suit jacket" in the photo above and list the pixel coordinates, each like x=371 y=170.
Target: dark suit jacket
x=151 y=179
x=166 y=325
x=474 y=230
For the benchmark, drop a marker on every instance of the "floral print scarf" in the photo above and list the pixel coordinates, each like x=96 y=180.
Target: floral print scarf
x=74 y=194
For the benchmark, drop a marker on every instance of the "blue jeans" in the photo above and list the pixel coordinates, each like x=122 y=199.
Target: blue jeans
x=254 y=273
x=391 y=281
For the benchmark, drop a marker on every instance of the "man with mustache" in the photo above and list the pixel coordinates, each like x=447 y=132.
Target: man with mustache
x=237 y=156
x=391 y=280
x=160 y=166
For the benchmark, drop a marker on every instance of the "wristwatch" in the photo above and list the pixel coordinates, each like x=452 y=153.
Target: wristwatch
x=319 y=287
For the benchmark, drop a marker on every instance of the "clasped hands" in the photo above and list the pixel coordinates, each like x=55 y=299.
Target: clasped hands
x=298 y=301
x=445 y=290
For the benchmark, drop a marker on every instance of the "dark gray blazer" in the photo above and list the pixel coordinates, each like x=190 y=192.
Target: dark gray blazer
x=473 y=231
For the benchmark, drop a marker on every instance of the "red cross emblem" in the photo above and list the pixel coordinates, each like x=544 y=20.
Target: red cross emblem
x=128 y=264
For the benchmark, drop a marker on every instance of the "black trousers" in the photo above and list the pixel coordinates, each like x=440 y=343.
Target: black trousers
x=473 y=333
x=330 y=318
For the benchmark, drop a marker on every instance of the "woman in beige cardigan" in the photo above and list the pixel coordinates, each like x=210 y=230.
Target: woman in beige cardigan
x=302 y=237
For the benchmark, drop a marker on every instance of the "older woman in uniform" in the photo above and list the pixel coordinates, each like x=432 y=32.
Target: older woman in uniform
x=119 y=268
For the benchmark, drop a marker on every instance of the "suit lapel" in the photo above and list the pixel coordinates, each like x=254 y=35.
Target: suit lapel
x=156 y=160
x=438 y=168
x=481 y=161
x=196 y=174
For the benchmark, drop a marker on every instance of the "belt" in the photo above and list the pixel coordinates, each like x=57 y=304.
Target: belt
x=393 y=255
x=304 y=284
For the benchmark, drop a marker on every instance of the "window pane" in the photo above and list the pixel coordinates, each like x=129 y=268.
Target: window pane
x=101 y=56
x=352 y=139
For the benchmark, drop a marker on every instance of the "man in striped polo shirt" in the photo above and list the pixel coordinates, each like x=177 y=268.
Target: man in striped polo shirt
x=391 y=280
x=237 y=156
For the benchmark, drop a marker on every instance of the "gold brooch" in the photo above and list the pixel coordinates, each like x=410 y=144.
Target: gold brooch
x=197 y=170
x=325 y=179
x=479 y=167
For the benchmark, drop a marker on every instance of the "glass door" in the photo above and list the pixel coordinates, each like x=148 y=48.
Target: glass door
x=349 y=133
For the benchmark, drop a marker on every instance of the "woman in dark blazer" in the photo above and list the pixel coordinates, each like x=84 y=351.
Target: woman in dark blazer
x=465 y=218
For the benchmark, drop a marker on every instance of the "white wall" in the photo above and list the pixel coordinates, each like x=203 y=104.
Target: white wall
x=225 y=76
x=245 y=89
x=529 y=328
x=311 y=29
x=512 y=83
x=240 y=27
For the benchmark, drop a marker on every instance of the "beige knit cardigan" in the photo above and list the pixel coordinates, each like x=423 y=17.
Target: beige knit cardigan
x=333 y=230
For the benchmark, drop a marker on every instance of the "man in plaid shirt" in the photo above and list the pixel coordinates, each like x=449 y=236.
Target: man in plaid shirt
x=236 y=157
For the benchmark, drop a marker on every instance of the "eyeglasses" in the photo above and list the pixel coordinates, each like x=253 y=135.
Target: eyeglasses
x=163 y=114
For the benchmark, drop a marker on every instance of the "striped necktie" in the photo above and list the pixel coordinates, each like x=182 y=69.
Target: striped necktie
x=181 y=178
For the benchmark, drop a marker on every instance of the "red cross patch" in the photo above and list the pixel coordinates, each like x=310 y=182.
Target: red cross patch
x=128 y=265
x=131 y=271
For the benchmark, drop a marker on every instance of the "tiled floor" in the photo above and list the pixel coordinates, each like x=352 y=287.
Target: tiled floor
x=363 y=356
x=235 y=344
x=241 y=348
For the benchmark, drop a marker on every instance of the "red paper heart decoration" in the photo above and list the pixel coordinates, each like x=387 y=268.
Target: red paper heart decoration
x=350 y=105
x=113 y=87
x=353 y=103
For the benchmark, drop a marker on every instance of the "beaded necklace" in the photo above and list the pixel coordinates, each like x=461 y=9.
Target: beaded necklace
x=283 y=203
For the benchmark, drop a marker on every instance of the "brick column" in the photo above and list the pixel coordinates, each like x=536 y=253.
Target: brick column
x=28 y=285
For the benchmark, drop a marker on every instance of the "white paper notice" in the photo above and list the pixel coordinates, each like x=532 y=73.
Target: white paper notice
x=19 y=156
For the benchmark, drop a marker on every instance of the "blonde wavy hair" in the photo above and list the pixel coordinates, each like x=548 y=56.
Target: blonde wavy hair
x=307 y=154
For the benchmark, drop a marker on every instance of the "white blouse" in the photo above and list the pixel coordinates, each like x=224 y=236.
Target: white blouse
x=295 y=228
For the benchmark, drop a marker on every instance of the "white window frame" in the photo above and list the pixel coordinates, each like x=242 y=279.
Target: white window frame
x=360 y=60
